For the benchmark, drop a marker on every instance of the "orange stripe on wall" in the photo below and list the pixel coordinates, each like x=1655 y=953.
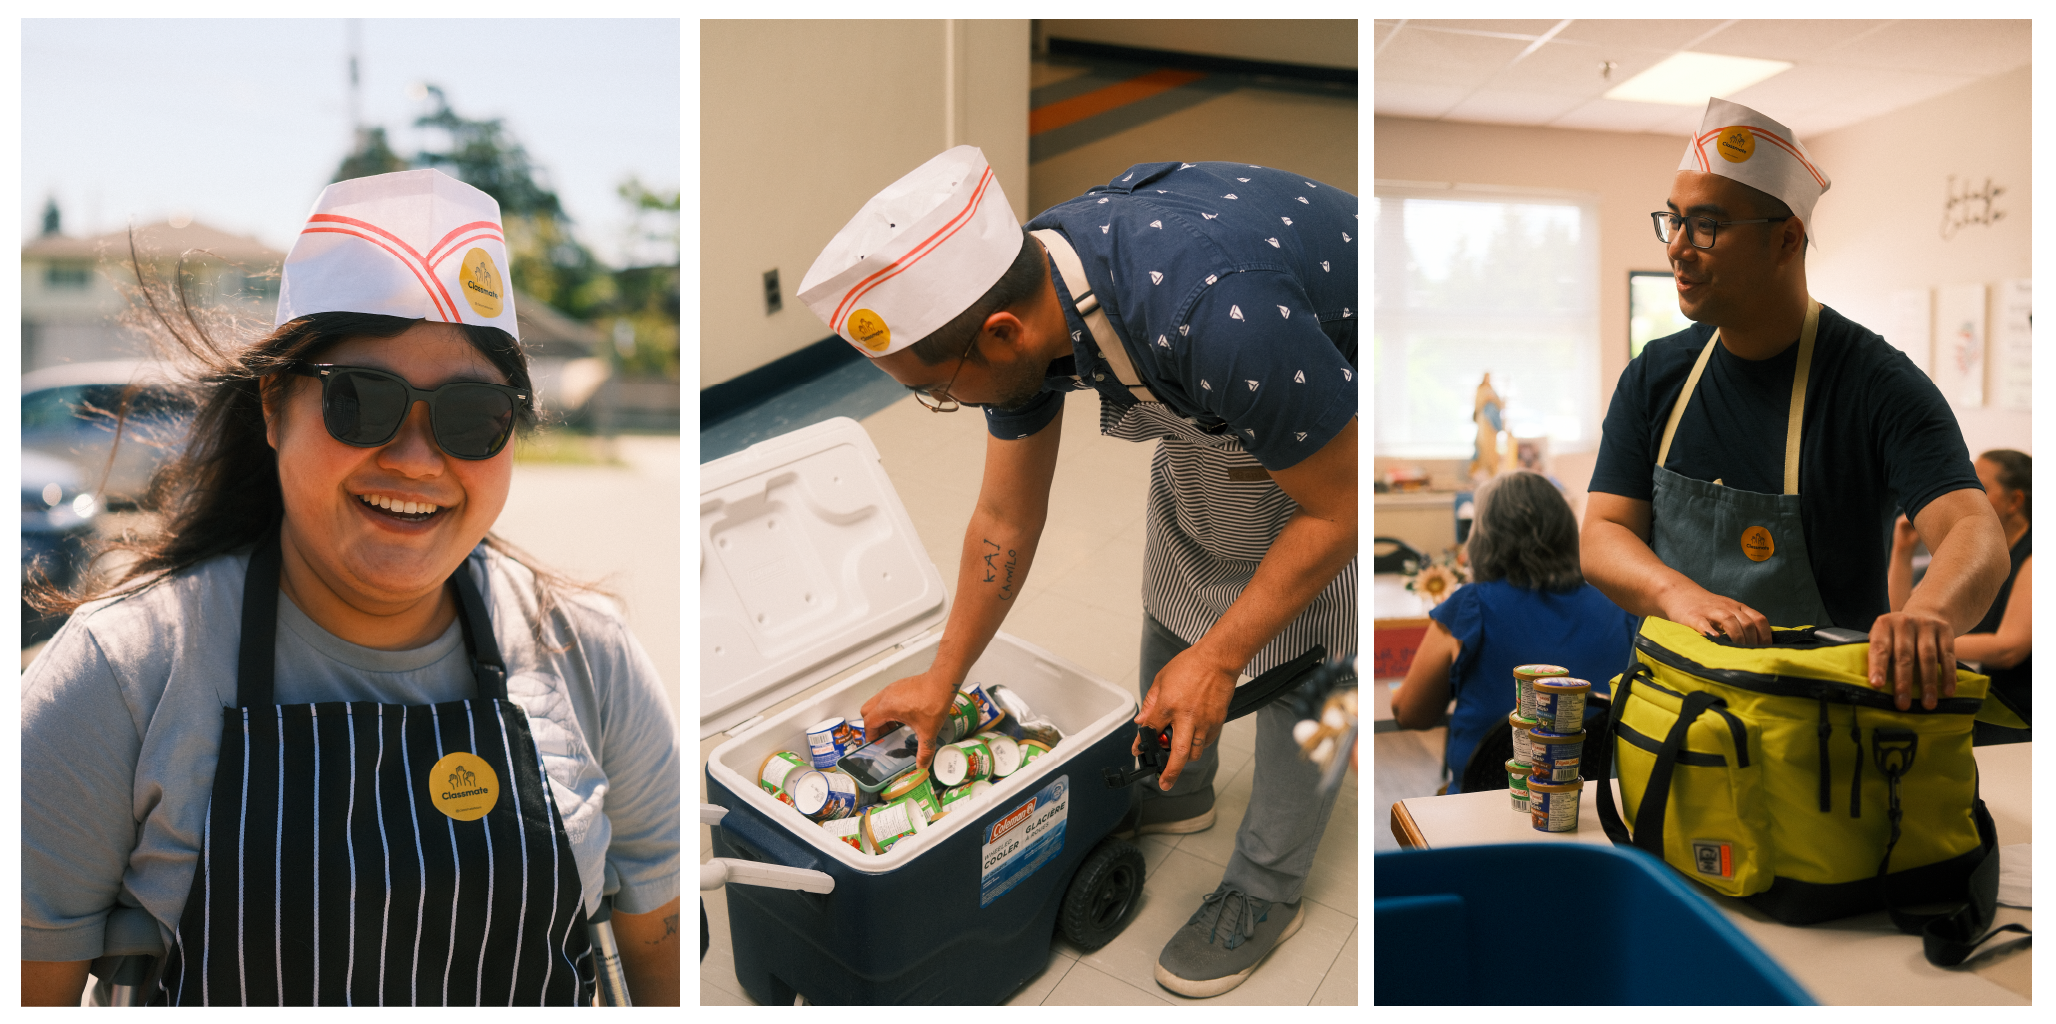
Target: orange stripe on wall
x=1099 y=101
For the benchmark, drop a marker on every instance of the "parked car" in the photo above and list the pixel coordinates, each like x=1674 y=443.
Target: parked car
x=68 y=412
x=57 y=514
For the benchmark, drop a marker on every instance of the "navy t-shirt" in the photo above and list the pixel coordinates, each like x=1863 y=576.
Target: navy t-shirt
x=1234 y=288
x=1498 y=626
x=1877 y=437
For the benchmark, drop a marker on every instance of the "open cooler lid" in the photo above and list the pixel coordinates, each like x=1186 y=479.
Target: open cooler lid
x=808 y=565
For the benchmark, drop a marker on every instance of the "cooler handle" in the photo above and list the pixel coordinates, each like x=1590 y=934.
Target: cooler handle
x=725 y=870
x=775 y=844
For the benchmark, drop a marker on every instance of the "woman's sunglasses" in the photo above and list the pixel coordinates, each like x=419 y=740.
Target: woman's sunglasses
x=364 y=408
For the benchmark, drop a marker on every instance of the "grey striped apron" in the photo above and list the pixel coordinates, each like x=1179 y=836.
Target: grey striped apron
x=1213 y=514
x=1214 y=510
x=330 y=874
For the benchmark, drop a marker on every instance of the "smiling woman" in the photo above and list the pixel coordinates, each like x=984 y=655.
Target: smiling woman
x=352 y=461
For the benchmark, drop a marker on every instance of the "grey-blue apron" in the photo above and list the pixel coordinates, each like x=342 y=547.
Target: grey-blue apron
x=1740 y=544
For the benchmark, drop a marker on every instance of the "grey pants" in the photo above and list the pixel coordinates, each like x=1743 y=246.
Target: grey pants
x=1281 y=831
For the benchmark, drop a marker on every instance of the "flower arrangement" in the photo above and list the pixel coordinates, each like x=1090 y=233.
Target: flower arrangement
x=1438 y=579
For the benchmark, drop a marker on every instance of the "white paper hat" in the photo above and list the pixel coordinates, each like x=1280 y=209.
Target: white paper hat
x=417 y=244
x=1737 y=142
x=916 y=255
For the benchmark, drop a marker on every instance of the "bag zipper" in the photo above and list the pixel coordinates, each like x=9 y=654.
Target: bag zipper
x=1776 y=685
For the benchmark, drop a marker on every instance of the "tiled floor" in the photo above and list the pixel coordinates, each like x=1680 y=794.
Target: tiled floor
x=1083 y=599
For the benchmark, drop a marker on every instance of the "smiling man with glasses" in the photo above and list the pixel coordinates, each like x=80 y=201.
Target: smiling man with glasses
x=1212 y=307
x=1751 y=467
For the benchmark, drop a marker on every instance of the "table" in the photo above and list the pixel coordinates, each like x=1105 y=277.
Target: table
x=1859 y=960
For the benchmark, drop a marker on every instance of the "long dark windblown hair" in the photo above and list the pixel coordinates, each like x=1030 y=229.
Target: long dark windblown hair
x=1525 y=534
x=222 y=489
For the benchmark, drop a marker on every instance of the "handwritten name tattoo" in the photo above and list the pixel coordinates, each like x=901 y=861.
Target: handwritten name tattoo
x=1001 y=572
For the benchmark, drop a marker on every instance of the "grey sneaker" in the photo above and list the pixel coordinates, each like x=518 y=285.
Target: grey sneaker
x=1171 y=815
x=1221 y=946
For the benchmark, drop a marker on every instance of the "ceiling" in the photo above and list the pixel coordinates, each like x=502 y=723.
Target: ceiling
x=1546 y=73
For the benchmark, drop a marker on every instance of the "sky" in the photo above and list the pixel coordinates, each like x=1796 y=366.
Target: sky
x=239 y=123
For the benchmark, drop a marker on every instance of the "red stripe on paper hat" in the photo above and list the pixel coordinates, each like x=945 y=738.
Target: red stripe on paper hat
x=417 y=244
x=917 y=254
x=1736 y=142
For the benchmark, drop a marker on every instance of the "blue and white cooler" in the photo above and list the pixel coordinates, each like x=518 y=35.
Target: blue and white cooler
x=811 y=573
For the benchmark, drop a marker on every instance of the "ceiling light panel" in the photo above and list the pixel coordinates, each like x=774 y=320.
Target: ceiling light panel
x=1688 y=79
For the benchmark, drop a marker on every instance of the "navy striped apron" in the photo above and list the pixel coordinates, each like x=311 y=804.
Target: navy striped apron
x=328 y=874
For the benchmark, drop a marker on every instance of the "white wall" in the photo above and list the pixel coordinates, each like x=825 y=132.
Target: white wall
x=1329 y=43
x=1880 y=221
x=801 y=122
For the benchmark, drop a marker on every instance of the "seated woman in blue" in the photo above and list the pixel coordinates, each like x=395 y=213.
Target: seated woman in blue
x=1529 y=603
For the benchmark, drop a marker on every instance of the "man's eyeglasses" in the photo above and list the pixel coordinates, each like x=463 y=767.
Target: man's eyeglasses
x=363 y=408
x=940 y=400
x=1698 y=230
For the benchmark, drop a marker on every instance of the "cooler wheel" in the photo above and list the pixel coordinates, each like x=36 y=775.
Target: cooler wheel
x=1104 y=895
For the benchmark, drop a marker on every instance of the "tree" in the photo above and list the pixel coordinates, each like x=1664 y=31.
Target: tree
x=372 y=156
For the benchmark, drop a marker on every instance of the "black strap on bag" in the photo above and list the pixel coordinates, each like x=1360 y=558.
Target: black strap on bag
x=1950 y=937
x=1610 y=816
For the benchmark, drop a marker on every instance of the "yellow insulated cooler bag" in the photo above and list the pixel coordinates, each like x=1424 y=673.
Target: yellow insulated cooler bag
x=1778 y=775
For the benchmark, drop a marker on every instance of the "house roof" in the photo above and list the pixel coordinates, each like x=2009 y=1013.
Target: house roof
x=542 y=328
x=160 y=239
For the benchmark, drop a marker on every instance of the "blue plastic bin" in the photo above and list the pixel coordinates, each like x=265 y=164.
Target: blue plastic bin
x=1468 y=926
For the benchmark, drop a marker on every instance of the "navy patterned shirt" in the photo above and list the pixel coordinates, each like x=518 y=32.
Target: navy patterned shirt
x=1234 y=288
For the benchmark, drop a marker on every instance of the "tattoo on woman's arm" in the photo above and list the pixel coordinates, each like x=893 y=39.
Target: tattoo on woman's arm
x=670 y=929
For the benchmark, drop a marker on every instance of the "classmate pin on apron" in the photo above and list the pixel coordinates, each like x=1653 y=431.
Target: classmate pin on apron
x=367 y=854
x=1740 y=544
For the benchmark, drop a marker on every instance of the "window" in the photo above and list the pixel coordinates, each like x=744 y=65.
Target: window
x=1652 y=308
x=66 y=276
x=1473 y=281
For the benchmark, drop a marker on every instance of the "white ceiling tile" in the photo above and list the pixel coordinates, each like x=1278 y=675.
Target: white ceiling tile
x=1416 y=99
x=1941 y=47
x=1658 y=35
x=1444 y=58
x=1803 y=88
x=1500 y=106
x=1617 y=116
x=1903 y=89
x=1846 y=71
x=1783 y=40
x=1572 y=69
x=1530 y=29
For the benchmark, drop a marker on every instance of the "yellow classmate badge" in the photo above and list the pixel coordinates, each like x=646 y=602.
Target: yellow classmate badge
x=1756 y=543
x=481 y=282
x=1736 y=144
x=463 y=786
x=868 y=329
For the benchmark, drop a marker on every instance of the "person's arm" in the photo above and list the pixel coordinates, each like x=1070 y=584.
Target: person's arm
x=1899 y=571
x=1965 y=574
x=2015 y=639
x=999 y=546
x=1191 y=693
x=53 y=983
x=1423 y=699
x=649 y=954
x=1615 y=555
